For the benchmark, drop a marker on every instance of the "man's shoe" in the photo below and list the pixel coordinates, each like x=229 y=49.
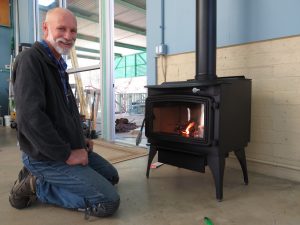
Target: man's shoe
x=23 y=191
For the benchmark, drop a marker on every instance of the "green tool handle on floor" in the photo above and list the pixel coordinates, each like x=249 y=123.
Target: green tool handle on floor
x=208 y=221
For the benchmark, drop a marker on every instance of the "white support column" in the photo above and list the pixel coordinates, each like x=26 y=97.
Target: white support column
x=106 y=15
x=16 y=26
x=35 y=20
x=62 y=3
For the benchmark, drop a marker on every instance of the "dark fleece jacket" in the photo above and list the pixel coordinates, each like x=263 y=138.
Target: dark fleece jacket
x=49 y=126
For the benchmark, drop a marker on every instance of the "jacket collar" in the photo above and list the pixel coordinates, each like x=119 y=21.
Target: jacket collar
x=41 y=49
x=59 y=61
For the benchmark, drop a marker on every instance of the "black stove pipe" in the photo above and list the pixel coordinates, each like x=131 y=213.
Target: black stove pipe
x=206 y=40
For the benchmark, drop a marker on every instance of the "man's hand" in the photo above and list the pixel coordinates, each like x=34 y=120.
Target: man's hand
x=78 y=157
x=89 y=144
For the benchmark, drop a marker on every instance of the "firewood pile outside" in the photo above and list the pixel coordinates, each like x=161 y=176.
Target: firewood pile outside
x=123 y=125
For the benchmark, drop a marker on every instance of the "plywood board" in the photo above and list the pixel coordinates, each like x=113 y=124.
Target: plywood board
x=117 y=153
x=4 y=13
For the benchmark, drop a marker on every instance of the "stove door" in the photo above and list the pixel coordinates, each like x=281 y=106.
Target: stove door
x=179 y=119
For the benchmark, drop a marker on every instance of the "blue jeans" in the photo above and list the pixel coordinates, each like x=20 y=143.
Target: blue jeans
x=76 y=187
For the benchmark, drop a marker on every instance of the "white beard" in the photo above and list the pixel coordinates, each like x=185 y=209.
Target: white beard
x=54 y=43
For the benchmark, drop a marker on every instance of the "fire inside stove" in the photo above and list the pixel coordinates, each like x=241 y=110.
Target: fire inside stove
x=180 y=119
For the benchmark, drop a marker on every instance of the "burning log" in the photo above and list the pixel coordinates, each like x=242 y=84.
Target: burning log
x=190 y=129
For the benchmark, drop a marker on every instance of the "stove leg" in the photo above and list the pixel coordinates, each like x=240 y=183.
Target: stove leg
x=152 y=153
x=217 y=164
x=240 y=154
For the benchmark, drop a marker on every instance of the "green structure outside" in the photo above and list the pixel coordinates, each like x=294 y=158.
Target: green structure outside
x=131 y=65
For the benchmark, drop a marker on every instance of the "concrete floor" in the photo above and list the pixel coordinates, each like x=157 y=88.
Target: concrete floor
x=171 y=196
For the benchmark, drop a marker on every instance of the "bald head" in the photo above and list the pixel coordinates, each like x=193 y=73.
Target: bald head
x=61 y=12
x=60 y=30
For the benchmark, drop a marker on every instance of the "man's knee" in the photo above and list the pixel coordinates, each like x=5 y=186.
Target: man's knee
x=114 y=179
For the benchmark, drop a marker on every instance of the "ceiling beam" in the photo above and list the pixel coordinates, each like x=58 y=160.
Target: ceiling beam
x=134 y=47
x=88 y=57
x=118 y=44
x=86 y=49
x=92 y=50
x=83 y=14
x=130 y=6
x=95 y=18
x=130 y=28
x=118 y=24
x=87 y=37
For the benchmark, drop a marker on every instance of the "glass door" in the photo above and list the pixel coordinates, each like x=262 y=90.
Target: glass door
x=180 y=119
x=84 y=63
x=176 y=118
x=84 y=59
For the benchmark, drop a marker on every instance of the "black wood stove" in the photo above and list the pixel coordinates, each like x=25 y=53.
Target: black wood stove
x=196 y=123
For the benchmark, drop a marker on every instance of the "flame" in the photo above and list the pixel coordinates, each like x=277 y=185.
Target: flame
x=187 y=130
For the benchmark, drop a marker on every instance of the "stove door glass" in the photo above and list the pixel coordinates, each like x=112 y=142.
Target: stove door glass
x=184 y=119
